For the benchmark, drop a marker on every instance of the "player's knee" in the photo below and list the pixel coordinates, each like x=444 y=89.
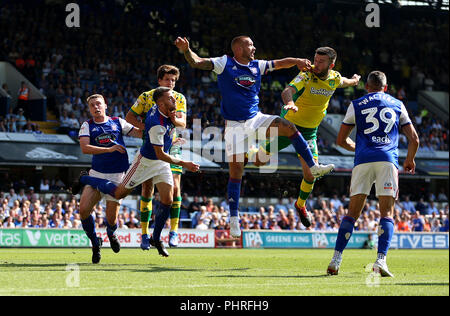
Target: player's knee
x=168 y=200
x=285 y=128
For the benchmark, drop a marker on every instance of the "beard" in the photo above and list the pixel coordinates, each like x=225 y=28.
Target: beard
x=322 y=74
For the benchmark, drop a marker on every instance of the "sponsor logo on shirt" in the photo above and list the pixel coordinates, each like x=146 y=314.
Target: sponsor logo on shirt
x=105 y=139
x=382 y=140
x=245 y=81
x=324 y=92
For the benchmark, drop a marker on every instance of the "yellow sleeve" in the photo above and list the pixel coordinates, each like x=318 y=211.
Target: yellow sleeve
x=181 y=103
x=339 y=78
x=139 y=105
x=300 y=81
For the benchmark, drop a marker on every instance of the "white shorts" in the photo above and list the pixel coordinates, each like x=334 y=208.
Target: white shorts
x=143 y=169
x=116 y=178
x=384 y=174
x=239 y=135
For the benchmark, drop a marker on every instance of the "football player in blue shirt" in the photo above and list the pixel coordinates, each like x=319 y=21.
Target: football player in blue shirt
x=378 y=118
x=239 y=81
x=102 y=137
x=152 y=162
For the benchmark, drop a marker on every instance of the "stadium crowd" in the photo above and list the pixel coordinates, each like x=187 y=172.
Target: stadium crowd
x=28 y=209
x=119 y=46
x=67 y=64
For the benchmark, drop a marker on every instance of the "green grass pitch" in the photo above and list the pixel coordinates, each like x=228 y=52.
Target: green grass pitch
x=219 y=272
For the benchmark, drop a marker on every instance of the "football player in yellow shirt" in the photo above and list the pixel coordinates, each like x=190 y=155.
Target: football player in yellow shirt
x=167 y=76
x=306 y=101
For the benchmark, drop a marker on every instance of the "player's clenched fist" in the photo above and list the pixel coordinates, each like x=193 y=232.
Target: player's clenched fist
x=356 y=79
x=304 y=64
x=182 y=44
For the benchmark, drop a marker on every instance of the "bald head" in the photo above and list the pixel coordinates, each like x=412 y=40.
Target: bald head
x=237 y=42
x=376 y=81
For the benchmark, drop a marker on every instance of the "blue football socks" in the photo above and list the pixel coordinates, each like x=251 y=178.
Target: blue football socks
x=89 y=227
x=301 y=147
x=385 y=233
x=160 y=220
x=344 y=233
x=234 y=192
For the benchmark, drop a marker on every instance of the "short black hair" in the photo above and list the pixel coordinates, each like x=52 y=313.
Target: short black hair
x=330 y=52
x=377 y=80
x=159 y=92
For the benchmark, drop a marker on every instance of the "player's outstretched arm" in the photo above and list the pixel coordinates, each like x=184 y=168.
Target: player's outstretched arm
x=161 y=155
x=288 y=62
x=192 y=58
x=413 y=145
x=353 y=81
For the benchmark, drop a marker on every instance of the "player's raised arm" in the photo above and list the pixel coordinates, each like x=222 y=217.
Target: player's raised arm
x=348 y=82
x=192 y=58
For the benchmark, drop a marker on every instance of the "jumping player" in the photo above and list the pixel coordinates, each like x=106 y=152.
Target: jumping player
x=306 y=101
x=239 y=80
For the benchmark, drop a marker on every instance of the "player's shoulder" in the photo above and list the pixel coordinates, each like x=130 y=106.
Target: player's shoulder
x=334 y=74
x=178 y=95
x=302 y=76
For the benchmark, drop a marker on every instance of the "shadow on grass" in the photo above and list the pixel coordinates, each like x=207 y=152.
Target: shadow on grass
x=272 y=276
x=108 y=267
x=423 y=284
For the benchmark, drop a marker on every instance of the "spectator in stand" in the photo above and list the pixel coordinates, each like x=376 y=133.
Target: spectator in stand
x=403 y=225
x=65 y=123
x=408 y=205
x=23 y=96
x=418 y=222
x=422 y=207
x=21 y=119
x=194 y=206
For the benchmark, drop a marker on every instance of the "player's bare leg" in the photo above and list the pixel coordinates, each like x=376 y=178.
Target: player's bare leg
x=385 y=233
x=288 y=129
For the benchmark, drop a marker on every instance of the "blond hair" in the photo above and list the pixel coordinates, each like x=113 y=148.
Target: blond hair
x=95 y=96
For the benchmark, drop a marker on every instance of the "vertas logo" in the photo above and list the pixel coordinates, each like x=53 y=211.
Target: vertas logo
x=10 y=238
x=33 y=237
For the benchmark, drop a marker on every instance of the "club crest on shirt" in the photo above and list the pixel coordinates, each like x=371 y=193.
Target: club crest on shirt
x=245 y=81
x=254 y=70
x=332 y=83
